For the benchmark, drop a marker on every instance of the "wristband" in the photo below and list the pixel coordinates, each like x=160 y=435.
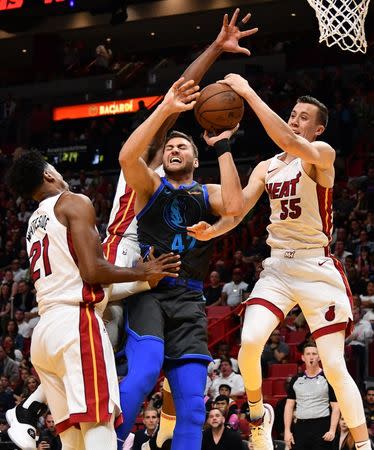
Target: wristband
x=222 y=146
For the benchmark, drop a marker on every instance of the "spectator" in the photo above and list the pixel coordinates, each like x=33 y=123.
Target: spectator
x=103 y=58
x=8 y=367
x=222 y=402
x=10 y=350
x=129 y=442
x=275 y=351
x=150 y=421
x=24 y=328
x=6 y=399
x=358 y=340
x=212 y=292
x=217 y=436
x=4 y=304
x=363 y=241
x=232 y=293
x=49 y=438
x=227 y=376
x=23 y=215
x=5 y=442
x=340 y=252
x=24 y=298
x=19 y=274
x=8 y=255
x=223 y=352
x=312 y=396
x=346 y=441
x=141 y=114
x=367 y=300
x=369 y=409
x=11 y=330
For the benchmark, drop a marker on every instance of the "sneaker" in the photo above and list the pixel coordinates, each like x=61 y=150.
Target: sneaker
x=261 y=430
x=23 y=423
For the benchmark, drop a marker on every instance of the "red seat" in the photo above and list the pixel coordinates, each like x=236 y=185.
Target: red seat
x=278 y=388
x=282 y=370
x=217 y=311
x=267 y=388
x=296 y=337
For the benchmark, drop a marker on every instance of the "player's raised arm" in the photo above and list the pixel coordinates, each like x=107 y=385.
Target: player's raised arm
x=180 y=97
x=79 y=216
x=204 y=231
x=227 y=40
x=231 y=200
x=289 y=137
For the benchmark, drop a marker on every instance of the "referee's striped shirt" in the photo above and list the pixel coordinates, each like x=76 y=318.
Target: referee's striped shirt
x=312 y=394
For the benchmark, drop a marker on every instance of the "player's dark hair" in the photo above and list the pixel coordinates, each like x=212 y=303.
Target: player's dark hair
x=26 y=173
x=323 y=112
x=175 y=134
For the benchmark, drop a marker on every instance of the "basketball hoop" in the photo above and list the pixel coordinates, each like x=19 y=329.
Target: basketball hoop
x=342 y=22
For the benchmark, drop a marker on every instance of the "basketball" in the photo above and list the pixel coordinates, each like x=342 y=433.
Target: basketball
x=219 y=108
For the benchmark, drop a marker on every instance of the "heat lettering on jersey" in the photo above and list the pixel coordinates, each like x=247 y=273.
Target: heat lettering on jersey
x=283 y=189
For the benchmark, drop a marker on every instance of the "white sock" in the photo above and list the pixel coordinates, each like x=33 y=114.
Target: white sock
x=364 y=445
x=37 y=396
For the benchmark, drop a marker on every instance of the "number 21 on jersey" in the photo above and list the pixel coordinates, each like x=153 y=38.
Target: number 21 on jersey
x=39 y=249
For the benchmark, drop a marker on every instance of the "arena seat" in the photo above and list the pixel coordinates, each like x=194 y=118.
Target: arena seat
x=296 y=337
x=278 y=388
x=282 y=370
x=217 y=312
x=267 y=387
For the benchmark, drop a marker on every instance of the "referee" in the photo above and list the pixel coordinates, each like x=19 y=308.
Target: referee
x=317 y=412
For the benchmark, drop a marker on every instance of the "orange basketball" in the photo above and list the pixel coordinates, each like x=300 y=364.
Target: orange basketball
x=219 y=108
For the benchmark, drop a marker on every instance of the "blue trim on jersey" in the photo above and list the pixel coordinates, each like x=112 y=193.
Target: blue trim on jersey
x=140 y=338
x=191 y=356
x=206 y=196
x=182 y=186
x=150 y=201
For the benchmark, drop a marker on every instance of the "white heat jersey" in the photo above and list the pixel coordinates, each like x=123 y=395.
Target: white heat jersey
x=301 y=209
x=53 y=263
x=122 y=220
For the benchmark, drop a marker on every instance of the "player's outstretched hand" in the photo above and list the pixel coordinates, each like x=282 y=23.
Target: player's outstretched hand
x=202 y=231
x=237 y=83
x=231 y=32
x=212 y=139
x=181 y=96
x=154 y=269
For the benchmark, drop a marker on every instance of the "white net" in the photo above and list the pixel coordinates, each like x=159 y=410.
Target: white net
x=342 y=22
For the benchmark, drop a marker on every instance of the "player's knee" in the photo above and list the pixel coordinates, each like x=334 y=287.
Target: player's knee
x=334 y=367
x=192 y=413
x=251 y=347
